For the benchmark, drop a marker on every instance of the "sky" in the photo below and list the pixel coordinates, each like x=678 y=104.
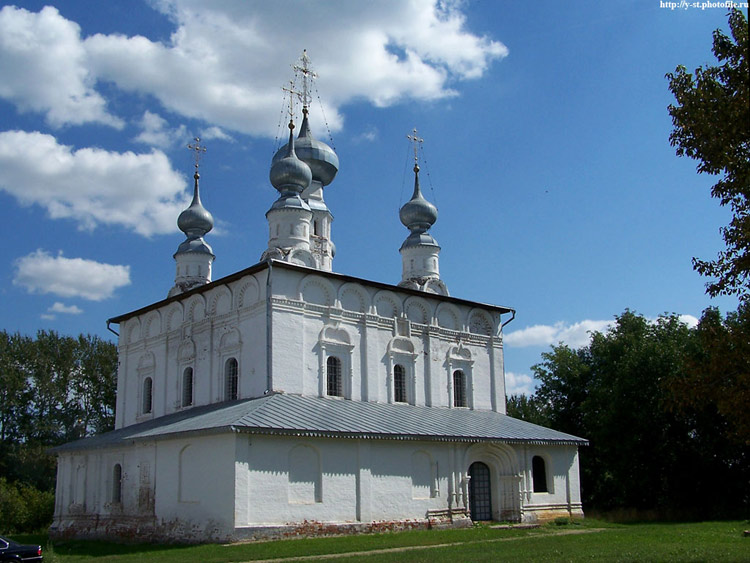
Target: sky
x=546 y=150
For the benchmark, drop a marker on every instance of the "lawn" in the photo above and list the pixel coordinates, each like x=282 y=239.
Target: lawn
x=588 y=541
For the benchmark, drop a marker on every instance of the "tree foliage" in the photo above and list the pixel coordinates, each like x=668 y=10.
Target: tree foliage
x=53 y=389
x=712 y=125
x=662 y=406
x=717 y=373
x=531 y=409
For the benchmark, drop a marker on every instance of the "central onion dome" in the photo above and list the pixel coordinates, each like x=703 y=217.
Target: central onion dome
x=195 y=222
x=418 y=214
x=322 y=160
x=289 y=175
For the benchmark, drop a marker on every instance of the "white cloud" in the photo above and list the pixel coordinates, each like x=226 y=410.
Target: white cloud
x=47 y=317
x=225 y=62
x=575 y=335
x=216 y=133
x=40 y=272
x=156 y=132
x=65 y=309
x=689 y=320
x=45 y=68
x=369 y=135
x=518 y=384
x=92 y=186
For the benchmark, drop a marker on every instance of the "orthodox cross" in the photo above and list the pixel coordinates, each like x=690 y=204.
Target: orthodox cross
x=307 y=77
x=292 y=93
x=198 y=151
x=416 y=140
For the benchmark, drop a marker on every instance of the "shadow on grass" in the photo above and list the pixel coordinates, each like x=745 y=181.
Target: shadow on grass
x=93 y=548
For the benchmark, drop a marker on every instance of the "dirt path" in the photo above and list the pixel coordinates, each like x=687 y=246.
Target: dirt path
x=420 y=547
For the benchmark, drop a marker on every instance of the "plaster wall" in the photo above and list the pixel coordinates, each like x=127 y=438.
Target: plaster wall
x=164 y=490
x=384 y=480
x=371 y=330
x=201 y=332
x=198 y=488
x=563 y=496
x=358 y=481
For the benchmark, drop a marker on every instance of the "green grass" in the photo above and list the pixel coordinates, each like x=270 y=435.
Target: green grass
x=587 y=541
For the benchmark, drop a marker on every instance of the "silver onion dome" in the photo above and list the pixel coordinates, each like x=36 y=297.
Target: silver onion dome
x=289 y=174
x=196 y=220
x=418 y=214
x=322 y=160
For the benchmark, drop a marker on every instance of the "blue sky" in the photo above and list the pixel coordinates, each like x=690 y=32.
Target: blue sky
x=545 y=150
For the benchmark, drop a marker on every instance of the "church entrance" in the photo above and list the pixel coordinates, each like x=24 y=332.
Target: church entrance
x=480 y=495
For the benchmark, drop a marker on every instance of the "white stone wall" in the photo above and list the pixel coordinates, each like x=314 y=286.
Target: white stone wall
x=169 y=488
x=386 y=480
x=563 y=496
x=200 y=331
x=195 y=488
x=371 y=330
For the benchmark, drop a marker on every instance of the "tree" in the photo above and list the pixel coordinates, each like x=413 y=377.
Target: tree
x=717 y=375
x=530 y=409
x=53 y=389
x=712 y=125
x=645 y=395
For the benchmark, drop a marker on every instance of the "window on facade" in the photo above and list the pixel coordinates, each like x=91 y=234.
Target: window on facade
x=187 y=387
x=399 y=384
x=117 y=483
x=459 y=388
x=231 y=379
x=539 y=474
x=333 y=377
x=148 y=386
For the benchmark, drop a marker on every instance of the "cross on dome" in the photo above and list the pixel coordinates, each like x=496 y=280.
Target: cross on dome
x=292 y=94
x=416 y=141
x=198 y=151
x=307 y=77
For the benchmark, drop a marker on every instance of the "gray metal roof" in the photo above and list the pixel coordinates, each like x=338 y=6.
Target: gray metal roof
x=335 y=418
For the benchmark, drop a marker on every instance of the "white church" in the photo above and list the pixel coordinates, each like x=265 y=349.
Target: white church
x=288 y=399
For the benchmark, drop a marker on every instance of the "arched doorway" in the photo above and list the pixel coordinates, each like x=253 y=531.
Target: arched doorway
x=480 y=494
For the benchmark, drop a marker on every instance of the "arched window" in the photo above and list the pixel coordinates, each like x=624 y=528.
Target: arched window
x=399 y=384
x=459 y=389
x=333 y=377
x=117 y=483
x=231 y=379
x=148 y=386
x=187 y=387
x=539 y=474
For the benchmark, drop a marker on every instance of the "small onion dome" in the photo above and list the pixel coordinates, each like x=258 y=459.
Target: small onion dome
x=195 y=245
x=322 y=160
x=195 y=221
x=418 y=214
x=289 y=174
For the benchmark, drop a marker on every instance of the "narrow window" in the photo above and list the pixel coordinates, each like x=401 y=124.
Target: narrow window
x=333 y=376
x=315 y=228
x=459 y=389
x=117 y=483
x=187 y=387
x=147 y=395
x=231 y=373
x=399 y=384
x=539 y=474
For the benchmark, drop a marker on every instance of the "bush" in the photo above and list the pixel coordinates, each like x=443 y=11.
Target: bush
x=24 y=509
